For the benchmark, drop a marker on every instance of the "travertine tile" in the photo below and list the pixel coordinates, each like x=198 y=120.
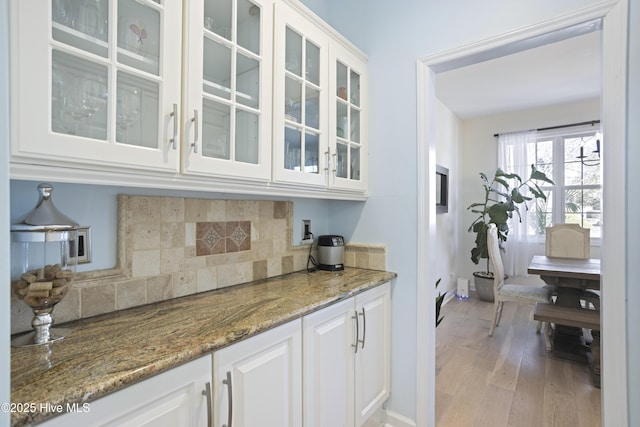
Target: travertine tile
x=243 y=210
x=260 y=270
x=184 y=283
x=131 y=293
x=162 y=253
x=233 y=274
x=146 y=209
x=172 y=209
x=206 y=279
x=287 y=264
x=69 y=308
x=171 y=260
x=159 y=288
x=146 y=236
x=145 y=263
x=98 y=300
x=281 y=210
x=172 y=235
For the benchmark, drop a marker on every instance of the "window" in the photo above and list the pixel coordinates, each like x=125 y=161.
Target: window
x=573 y=162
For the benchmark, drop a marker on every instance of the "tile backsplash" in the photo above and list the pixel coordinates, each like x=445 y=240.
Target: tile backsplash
x=170 y=247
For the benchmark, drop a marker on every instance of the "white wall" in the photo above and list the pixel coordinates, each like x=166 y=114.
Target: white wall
x=4 y=215
x=448 y=145
x=479 y=153
x=394 y=37
x=633 y=207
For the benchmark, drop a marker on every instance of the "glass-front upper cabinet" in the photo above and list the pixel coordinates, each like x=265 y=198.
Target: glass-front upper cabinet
x=96 y=82
x=228 y=72
x=348 y=120
x=300 y=100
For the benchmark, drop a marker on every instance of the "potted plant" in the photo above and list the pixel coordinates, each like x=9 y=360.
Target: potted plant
x=439 y=301
x=499 y=204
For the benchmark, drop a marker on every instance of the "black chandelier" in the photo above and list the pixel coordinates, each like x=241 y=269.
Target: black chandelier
x=594 y=158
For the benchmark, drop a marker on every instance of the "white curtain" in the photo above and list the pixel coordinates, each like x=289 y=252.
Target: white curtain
x=512 y=158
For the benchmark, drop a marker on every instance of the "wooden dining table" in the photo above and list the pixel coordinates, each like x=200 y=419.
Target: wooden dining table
x=570 y=278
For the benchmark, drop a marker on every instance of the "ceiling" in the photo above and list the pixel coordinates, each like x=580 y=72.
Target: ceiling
x=564 y=71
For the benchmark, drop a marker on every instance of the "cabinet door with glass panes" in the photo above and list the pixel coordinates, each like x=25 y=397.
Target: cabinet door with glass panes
x=348 y=120
x=227 y=98
x=96 y=83
x=301 y=110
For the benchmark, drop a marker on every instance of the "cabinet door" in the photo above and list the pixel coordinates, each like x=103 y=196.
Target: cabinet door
x=258 y=381
x=300 y=99
x=328 y=348
x=176 y=398
x=228 y=78
x=348 y=120
x=95 y=83
x=373 y=358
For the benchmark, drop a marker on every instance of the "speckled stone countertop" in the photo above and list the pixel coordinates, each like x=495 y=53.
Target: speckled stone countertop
x=105 y=353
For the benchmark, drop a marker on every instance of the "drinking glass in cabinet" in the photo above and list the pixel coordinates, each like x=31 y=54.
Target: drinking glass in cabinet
x=217 y=17
x=312 y=63
x=293 y=96
x=355 y=163
x=249 y=26
x=312 y=108
x=341 y=160
x=89 y=17
x=293 y=52
x=61 y=11
x=311 y=152
x=247 y=137
x=292 y=149
x=128 y=106
x=354 y=133
x=342 y=120
x=216 y=125
x=137 y=111
x=354 y=86
x=341 y=81
x=79 y=97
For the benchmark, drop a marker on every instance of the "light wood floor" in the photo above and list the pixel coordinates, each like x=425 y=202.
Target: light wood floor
x=508 y=379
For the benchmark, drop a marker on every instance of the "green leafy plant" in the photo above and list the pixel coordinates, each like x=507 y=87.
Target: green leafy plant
x=439 y=301
x=499 y=204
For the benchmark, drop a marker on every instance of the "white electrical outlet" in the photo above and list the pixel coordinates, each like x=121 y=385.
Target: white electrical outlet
x=307 y=237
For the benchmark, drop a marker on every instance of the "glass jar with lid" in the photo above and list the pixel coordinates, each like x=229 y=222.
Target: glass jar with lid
x=44 y=257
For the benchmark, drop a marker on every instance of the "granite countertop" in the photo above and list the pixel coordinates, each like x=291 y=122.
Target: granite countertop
x=105 y=353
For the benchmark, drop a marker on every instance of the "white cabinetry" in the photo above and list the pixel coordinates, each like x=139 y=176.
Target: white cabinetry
x=96 y=83
x=258 y=381
x=227 y=78
x=180 y=397
x=227 y=96
x=347 y=360
x=319 y=99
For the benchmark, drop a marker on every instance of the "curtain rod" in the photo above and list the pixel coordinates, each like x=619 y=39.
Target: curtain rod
x=592 y=122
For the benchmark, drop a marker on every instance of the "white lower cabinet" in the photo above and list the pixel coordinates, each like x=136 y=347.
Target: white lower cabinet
x=332 y=366
x=258 y=381
x=176 y=398
x=346 y=361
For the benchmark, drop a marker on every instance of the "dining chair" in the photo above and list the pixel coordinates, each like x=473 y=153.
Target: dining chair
x=568 y=241
x=571 y=241
x=509 y=292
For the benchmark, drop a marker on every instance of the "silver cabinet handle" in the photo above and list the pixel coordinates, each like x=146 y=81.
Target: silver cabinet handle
x=174 y=114
x=195 y=131
x=207 y=393
x=328 y=154
x=355 y=345
x=364 y=328
x=230 y=394
x=335 y=164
